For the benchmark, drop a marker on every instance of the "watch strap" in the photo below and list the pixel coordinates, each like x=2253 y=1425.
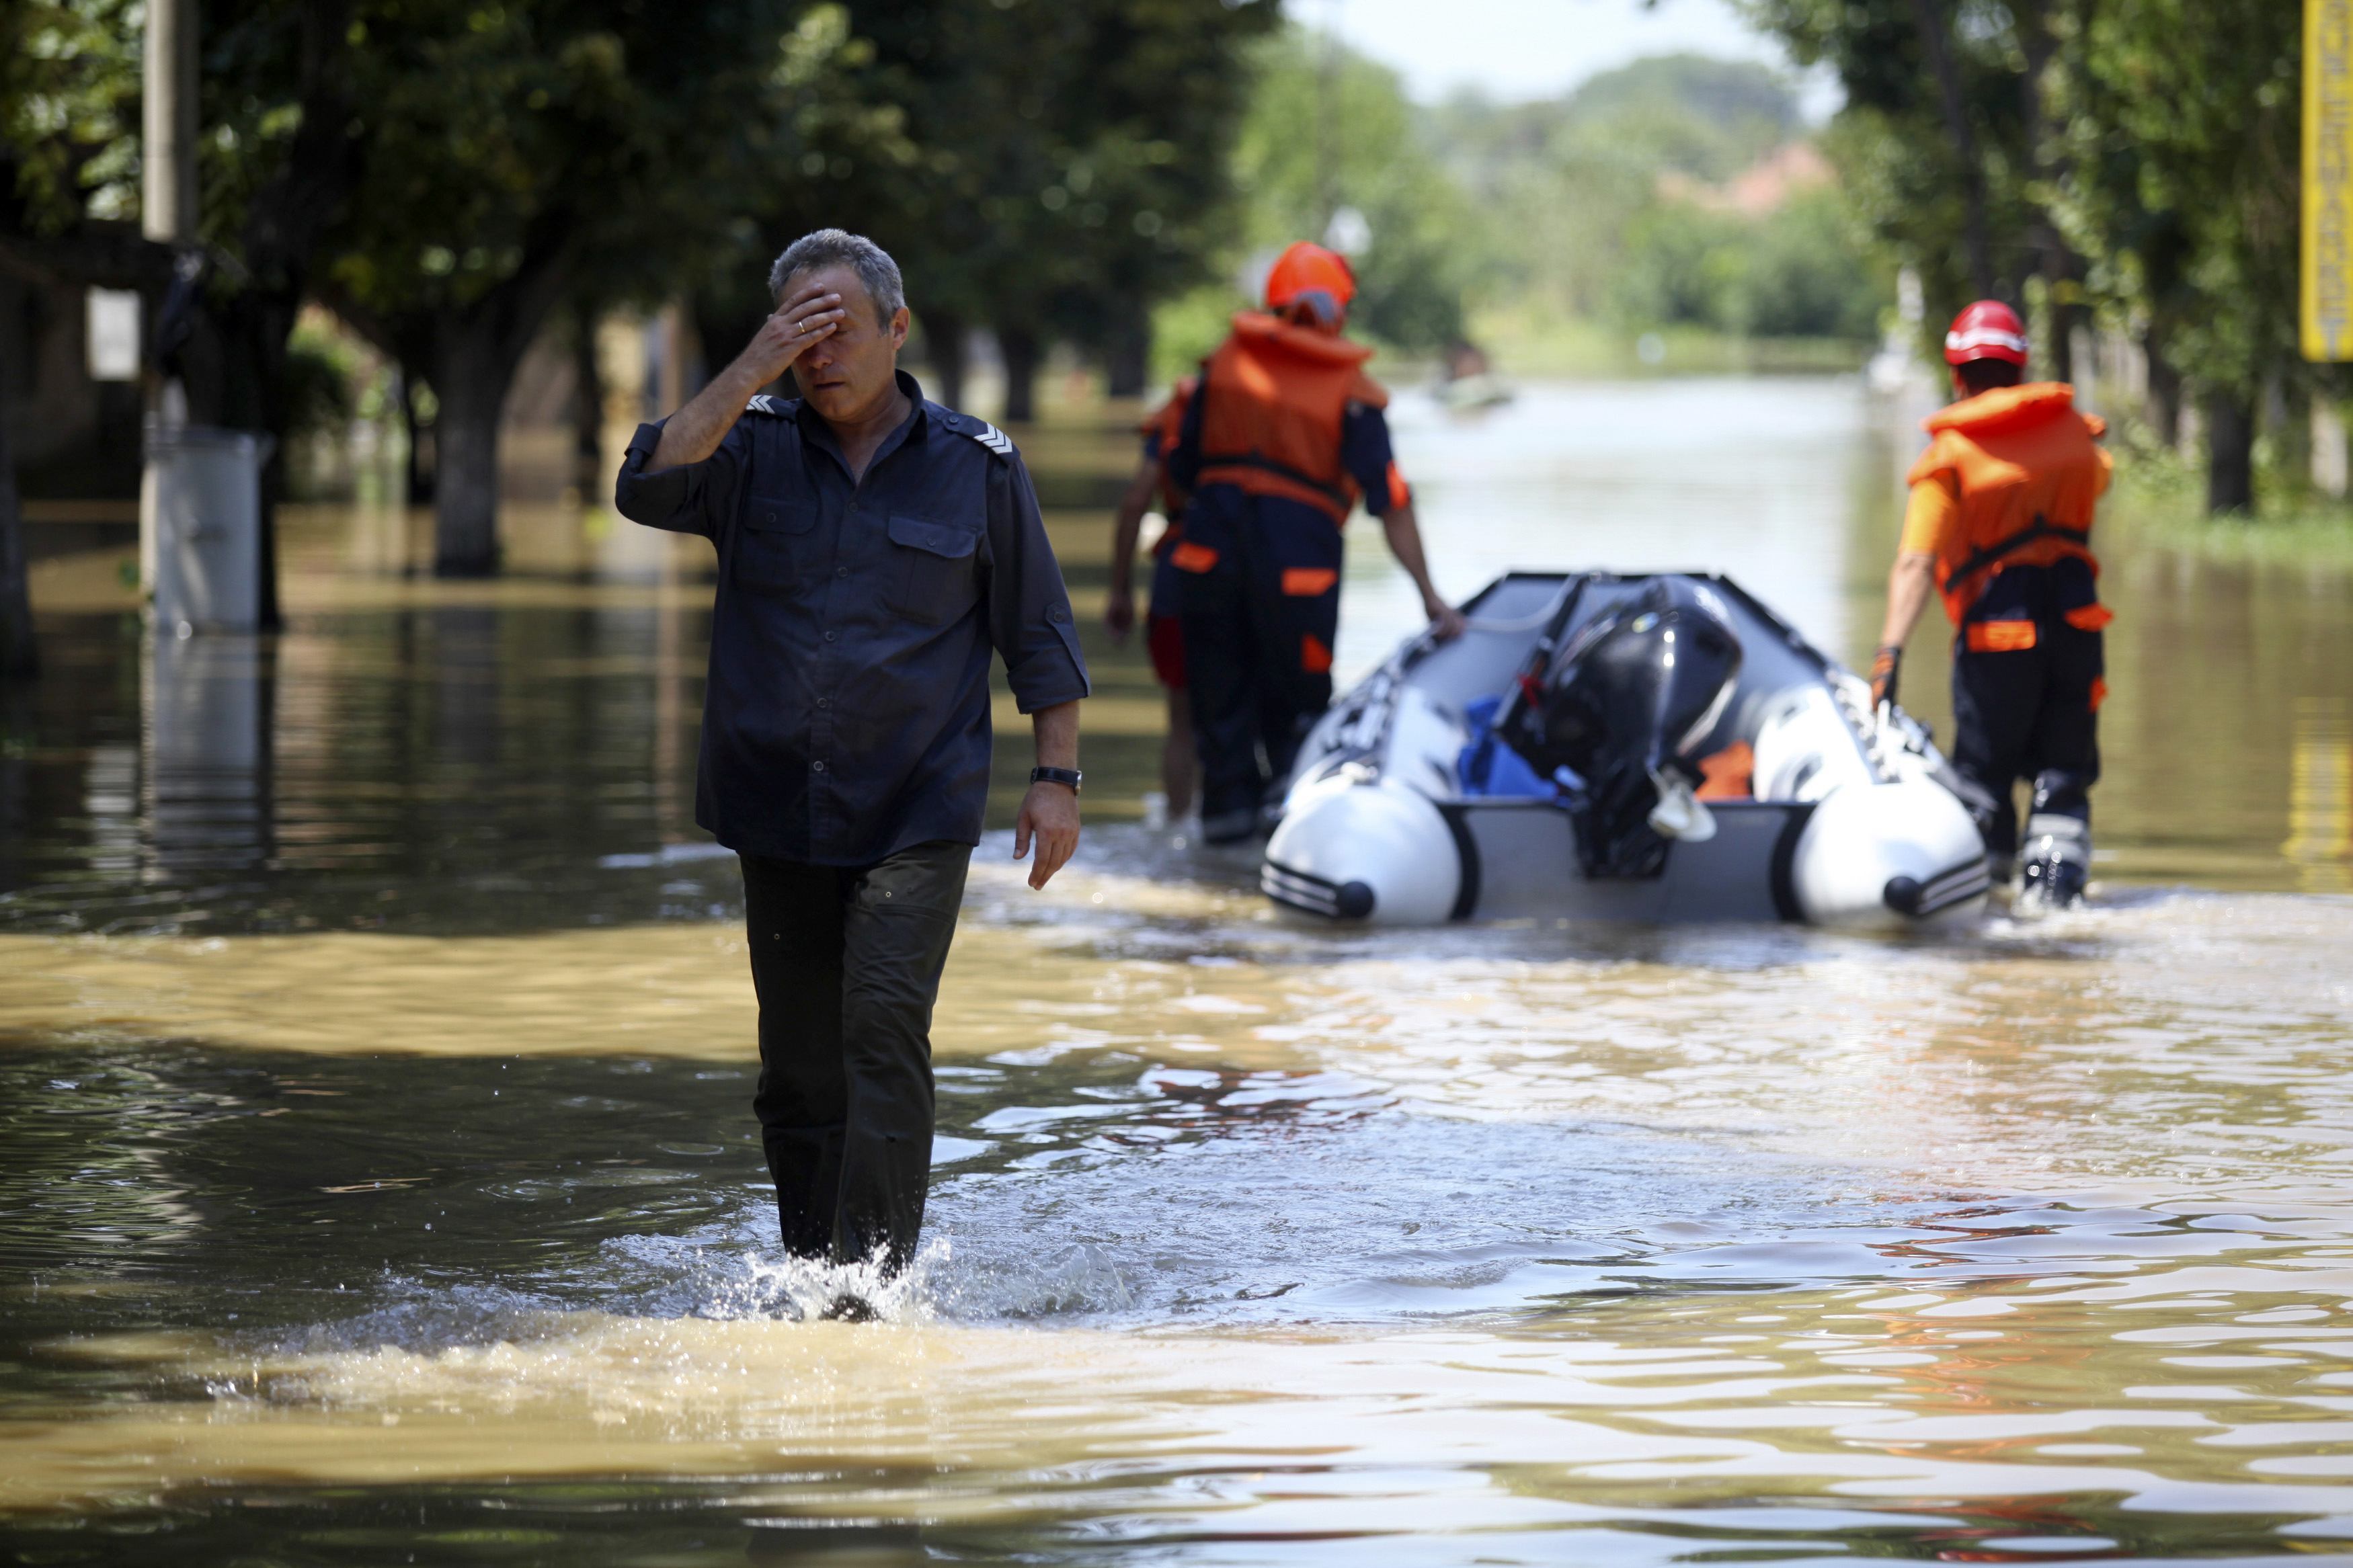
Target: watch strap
x=1069 y=776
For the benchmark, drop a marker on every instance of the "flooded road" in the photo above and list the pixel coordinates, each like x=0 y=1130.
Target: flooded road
x=378 y=1182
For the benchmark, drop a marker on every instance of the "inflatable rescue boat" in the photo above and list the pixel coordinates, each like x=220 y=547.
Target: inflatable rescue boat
x=1623 y=747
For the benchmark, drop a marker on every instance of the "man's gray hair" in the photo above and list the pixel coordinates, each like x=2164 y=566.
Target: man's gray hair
x=839 y=247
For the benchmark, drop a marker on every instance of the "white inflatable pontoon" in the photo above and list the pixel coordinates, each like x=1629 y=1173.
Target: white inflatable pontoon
x=1395 y=813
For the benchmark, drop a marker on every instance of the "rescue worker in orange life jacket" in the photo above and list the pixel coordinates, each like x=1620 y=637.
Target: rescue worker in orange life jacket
x=1164 y=636
x=1285 y=432
x=2000 y=523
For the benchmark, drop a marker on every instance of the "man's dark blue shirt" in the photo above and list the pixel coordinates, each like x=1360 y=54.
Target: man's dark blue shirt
x=846 y=712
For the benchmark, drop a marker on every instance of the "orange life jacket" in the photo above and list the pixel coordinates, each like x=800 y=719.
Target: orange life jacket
x=2022 y=464
x=1273 y=397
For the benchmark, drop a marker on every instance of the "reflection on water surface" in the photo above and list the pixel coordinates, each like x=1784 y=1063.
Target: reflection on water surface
x=379 y=1182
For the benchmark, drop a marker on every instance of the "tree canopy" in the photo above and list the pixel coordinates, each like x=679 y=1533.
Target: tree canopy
x=1623 y=202
x=447 y=173
x=2136 y=158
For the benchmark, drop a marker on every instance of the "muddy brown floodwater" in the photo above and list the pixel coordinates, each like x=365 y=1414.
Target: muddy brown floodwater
x=377 y=1182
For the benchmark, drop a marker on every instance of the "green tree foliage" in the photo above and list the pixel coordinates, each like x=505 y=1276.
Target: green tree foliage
x=456 y=169
x=514 y=150
x=1328 y=129
x=1807 y=272
x=1715 y=114
x=1796 y=271
x=1609 y=204
x=68 y=114
x=1942 y=138
x=1056 y=166
x=2179 y=124
x=2139 y=153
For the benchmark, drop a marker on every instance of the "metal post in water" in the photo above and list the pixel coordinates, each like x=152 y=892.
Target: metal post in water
x=167 y=197
x=167 y=213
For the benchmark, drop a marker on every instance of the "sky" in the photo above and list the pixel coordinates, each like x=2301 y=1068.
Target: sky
x=1517 y=49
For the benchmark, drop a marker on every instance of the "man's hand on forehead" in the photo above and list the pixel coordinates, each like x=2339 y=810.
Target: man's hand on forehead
x=805 y=319
x=809 y=286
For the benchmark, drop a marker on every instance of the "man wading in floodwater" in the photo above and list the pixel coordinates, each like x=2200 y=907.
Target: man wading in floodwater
x=873 y=549
x=1999 y=522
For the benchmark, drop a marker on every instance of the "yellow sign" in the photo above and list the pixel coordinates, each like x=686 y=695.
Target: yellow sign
x=2327 y=179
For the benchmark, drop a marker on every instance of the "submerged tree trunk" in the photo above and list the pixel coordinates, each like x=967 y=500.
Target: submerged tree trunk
x=943 y=346
x=472 y=386
x=588 y=405
x=1018 y=345
x=2164 y=411
x=2287 y=418
x=20 y=655
x=415 y=464
x=475 y=351
x=2059 y=317
x=2230 y=452
x=1128 y=358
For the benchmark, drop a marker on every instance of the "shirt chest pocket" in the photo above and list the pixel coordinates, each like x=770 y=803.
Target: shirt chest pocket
x=776 y=534
x=933 y=570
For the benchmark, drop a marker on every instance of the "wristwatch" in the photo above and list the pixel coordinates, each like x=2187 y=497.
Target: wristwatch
x=1069 y=776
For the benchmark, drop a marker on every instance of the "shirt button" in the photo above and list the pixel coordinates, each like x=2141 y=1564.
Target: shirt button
x=831 y=635
x=841 y=570
x=816 y=767
x=1058 y=613
x=824 y=701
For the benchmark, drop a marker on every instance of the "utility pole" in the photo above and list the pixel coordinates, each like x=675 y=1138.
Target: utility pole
x=167 y=208
x=167 y=195
x=167 y=165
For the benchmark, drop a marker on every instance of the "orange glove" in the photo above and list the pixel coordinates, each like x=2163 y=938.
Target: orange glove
x=1884 y=666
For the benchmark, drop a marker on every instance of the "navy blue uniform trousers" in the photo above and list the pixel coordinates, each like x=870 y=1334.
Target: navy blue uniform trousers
x=2030 y=713
x=1259 y=629
x=846 y=961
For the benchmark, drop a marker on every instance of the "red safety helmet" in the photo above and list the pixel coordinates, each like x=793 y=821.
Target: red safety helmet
x=1987 y=330
x=1308 y=277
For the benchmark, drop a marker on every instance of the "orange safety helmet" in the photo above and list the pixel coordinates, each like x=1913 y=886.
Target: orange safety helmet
x=1987 y=330
x=1310 y=278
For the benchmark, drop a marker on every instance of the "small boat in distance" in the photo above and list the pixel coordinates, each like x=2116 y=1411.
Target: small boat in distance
x=1652 y=748
x=1468 y=381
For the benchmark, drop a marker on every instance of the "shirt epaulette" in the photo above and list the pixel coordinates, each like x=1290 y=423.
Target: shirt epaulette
x=982 y=431
x=765 y=403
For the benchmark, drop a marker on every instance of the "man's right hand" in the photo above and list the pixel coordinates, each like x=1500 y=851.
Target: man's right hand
x=801 y=322
x=692 y=433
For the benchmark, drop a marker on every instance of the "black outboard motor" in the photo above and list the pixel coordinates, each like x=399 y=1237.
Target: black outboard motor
x=1623 y=705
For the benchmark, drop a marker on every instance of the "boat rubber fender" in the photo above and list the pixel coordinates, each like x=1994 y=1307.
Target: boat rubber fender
x=1888 y=856
x=1356 y=846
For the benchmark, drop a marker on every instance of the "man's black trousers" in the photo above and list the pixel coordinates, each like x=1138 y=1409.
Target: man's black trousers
x=1259 y=622
x=847 y=961
x=2029 y=714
